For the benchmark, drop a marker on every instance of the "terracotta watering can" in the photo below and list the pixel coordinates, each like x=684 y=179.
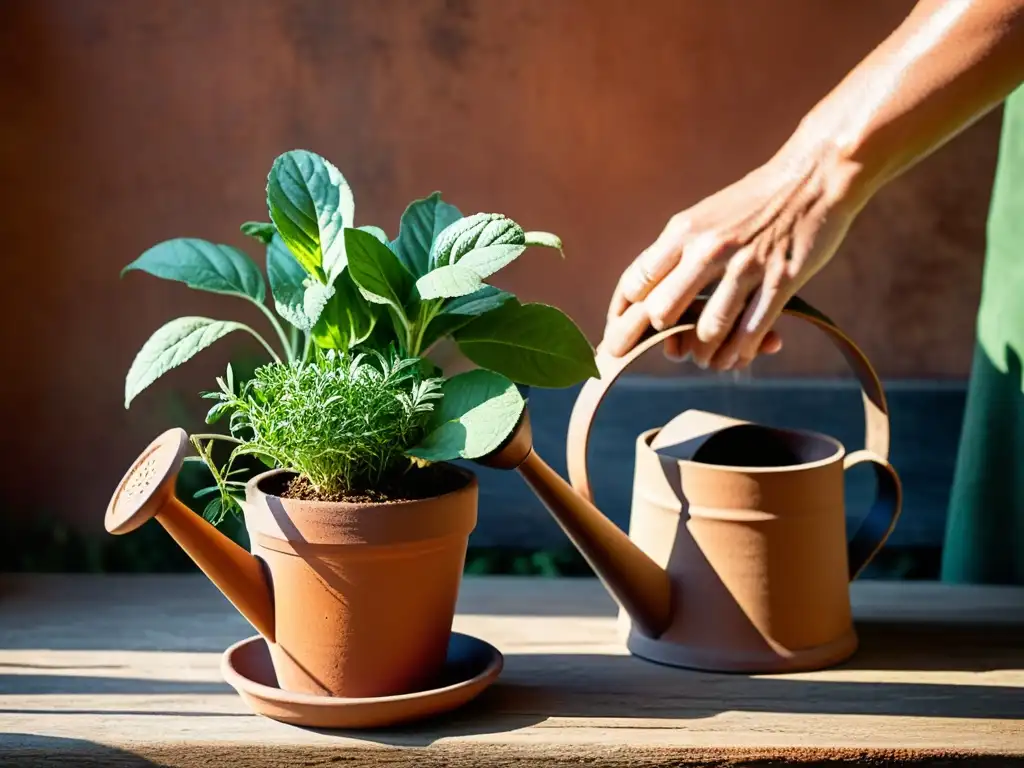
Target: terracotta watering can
x=737 y=557
x=354 y=600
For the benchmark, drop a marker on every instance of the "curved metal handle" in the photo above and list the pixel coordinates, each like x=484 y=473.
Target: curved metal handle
x=876 y=413
x=875 y=528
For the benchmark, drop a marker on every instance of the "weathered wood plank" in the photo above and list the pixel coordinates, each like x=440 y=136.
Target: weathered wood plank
x=95 y=665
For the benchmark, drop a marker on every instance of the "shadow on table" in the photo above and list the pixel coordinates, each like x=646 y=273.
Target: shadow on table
x=937 y=647
x=536 y=687
x=25 y=750
x=602 y=686
x=33 y=685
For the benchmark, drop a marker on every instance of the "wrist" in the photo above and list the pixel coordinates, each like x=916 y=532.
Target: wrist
x=835 y=160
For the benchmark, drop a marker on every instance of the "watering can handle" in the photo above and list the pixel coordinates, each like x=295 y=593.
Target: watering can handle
x=881 y=518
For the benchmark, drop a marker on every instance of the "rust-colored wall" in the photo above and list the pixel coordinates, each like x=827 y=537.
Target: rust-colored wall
x=128 y=122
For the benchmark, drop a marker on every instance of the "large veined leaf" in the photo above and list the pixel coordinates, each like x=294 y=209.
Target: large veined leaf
x=170 y=346
x=376 y=270
x=476 y=231
x=478 y=302
x=315 y=299
x=420 y=225
x=310 y=204
x=489 y=259
x=533 y=344
x=478 y=410
x=287 y=285
x=203 y=265
x=448 y=282
x=347 y=318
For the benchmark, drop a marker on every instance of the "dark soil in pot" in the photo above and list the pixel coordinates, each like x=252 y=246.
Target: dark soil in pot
x=418 y=483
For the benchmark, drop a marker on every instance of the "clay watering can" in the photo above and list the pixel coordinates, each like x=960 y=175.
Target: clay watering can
x=737 y=557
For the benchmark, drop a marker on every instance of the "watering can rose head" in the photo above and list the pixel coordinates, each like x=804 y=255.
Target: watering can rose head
x=349 y=399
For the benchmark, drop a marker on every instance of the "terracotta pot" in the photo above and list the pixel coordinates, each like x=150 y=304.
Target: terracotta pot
x=353 y=600
x=363 y=594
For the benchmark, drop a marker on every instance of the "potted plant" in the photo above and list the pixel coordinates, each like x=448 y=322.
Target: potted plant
x=360 y=517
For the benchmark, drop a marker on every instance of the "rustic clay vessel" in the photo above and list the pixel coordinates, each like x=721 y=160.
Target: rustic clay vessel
x=354 y=600
x=737 y=557
x=471 y=666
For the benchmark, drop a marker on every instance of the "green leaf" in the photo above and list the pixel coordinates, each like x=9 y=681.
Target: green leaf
x=440 y=326
x=262 y=231
x=310 y=204
x=458 y=312
x=545 y=239
x=347 y=318
x=376 y=270
x=387 y=334
x=314 y=300
x=478 y=410
x=429 y=369
x=421 y=223
x=476 y=231
x=377 y=232
x=532 y=344
x=478 y=302
x=218 y=410
x=218 y=509
x=448 y=282
x=489 y=259
x=287 y=285
x=170 y=346
x=204 y=266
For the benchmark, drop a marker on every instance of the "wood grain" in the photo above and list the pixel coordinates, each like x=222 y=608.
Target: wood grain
x=109 y=669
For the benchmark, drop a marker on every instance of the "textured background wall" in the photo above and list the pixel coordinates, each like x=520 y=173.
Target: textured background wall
x=129 y=122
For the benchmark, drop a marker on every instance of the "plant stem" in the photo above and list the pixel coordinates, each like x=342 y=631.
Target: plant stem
x=408 y=329
x=288 y=349
x=263 y=341
x=422 y=321
x=213 y=436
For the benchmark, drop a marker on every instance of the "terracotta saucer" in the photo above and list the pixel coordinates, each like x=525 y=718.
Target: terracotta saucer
x=472 y=666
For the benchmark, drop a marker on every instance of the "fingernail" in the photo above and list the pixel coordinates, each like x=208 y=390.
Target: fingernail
x=702 y=364
x=730 y=361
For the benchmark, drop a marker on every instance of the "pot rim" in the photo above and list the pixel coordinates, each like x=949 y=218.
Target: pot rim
x=253 y=487
x=644 y=441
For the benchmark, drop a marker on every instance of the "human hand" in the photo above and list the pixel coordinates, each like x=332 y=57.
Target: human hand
x=761 y=239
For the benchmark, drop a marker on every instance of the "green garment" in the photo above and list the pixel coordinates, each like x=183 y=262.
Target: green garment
x=985 y=527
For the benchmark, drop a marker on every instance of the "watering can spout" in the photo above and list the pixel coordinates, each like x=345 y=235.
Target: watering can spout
x=147 y=490
x=639 y=585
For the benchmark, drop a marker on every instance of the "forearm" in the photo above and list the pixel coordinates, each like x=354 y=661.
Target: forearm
x=949 y=63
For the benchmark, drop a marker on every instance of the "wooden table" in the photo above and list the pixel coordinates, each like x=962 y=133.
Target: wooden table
x=105 y=670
